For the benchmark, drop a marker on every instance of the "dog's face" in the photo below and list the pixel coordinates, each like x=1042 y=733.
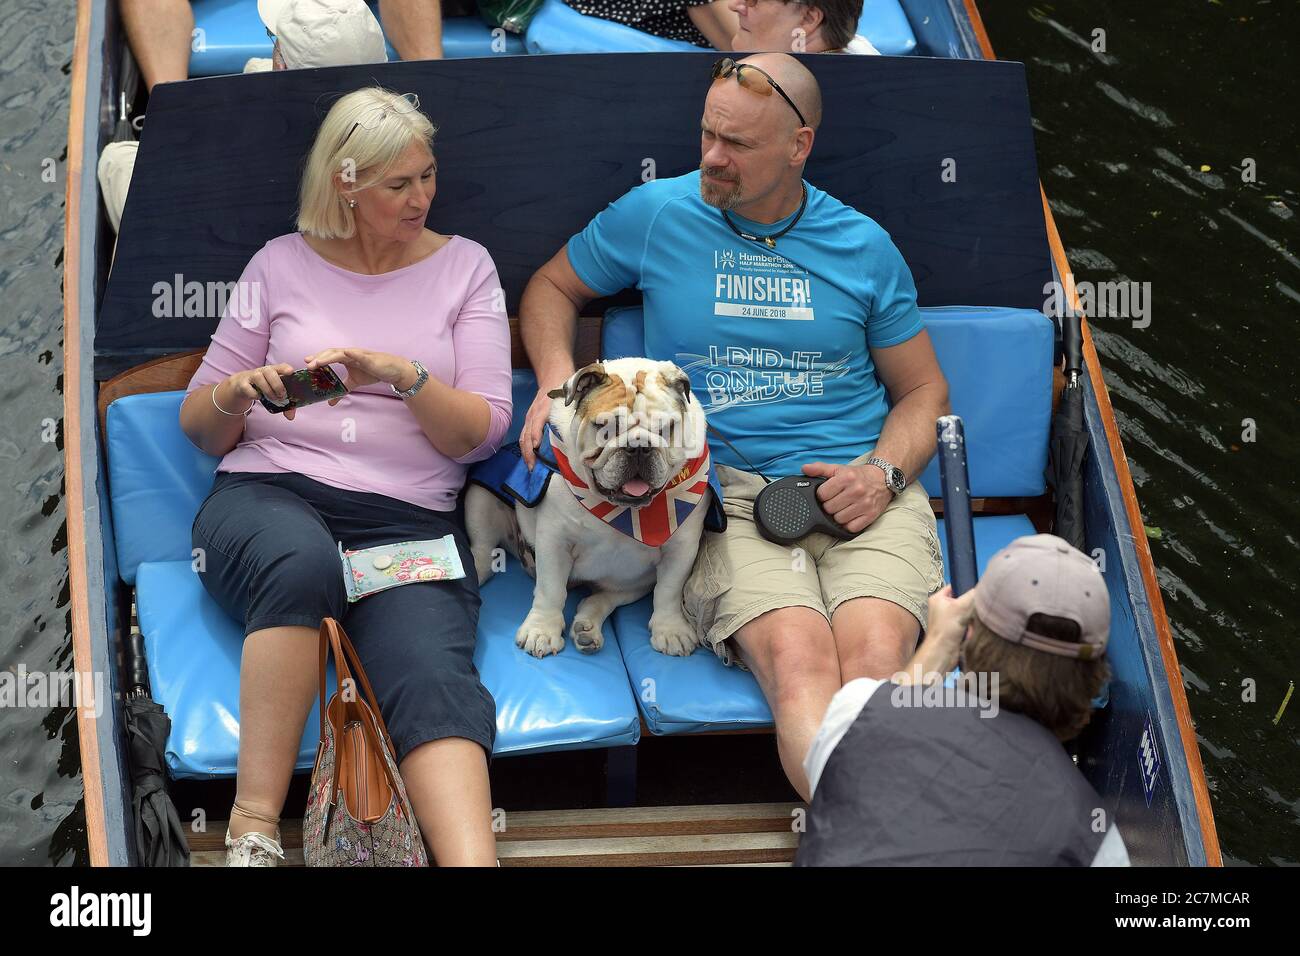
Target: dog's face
x=630 y=426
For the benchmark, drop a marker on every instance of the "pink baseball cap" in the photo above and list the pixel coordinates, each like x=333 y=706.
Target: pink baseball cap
x=1042 y=574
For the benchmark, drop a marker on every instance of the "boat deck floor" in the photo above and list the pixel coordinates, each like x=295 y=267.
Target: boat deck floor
x=736 y=834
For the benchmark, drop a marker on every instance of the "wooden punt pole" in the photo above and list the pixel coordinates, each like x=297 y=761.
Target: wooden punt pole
x=73 y=453
x=1168 y=651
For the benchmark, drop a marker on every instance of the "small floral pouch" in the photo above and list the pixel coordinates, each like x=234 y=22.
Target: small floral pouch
x=406 y=562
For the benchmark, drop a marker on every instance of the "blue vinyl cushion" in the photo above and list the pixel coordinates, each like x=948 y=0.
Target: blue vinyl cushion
x=193 y=649
x=565 y=702
x=687 y=694
x=233 y=32
x=558 y=28
x=999 y=367
x=157 y=480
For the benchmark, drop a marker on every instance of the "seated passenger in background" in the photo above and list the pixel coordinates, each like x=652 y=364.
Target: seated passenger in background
x=912 y=774
x=161 y=32
x=799 y=26
x=701 y=22
x=312 y=33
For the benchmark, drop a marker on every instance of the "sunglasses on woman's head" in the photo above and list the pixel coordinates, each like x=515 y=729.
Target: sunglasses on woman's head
x=754 y=79
x=374 y=116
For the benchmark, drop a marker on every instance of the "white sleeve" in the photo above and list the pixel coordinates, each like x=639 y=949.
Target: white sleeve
x=1112 y=851
x=843 y=710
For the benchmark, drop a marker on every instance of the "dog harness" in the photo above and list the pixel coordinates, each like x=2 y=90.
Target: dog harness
x=654 y=522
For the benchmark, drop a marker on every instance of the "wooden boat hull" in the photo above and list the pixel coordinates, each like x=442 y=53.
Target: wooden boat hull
x=1169 y=822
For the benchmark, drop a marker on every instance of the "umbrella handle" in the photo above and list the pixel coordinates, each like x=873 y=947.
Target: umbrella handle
x=957 y=521
x=1072 y=344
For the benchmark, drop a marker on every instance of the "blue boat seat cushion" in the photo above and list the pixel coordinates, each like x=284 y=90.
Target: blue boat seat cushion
x=690 y=694
x=558 y=28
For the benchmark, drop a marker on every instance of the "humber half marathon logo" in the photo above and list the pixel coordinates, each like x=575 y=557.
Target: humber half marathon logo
x=754 y=285
x=74 y=909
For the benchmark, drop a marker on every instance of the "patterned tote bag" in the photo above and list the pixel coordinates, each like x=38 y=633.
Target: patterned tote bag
x=357 y=810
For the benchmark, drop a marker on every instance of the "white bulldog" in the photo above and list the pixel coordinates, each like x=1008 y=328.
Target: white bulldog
x=625 y=433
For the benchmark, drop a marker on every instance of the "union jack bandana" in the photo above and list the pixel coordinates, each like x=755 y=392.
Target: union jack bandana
x=654 y=522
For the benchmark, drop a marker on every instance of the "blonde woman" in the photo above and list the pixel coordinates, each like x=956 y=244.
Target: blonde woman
x=414 y=321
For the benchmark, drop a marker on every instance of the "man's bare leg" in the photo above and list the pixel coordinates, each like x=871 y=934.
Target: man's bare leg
x=791 y=651
x=873 y=638
x=413 y=27
x=160 y=32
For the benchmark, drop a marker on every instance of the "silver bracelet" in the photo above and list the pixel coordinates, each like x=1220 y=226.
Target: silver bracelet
x=222 y=410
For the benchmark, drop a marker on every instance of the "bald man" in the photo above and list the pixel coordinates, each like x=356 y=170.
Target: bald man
x=796 y=319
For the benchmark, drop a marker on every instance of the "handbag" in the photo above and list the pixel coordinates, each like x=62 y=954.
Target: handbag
x=357 y=810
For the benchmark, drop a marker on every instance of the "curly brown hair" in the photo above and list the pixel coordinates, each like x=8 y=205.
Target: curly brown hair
x=1055 y=691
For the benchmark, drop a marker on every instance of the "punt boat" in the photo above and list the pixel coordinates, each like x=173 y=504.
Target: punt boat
x=590 y=768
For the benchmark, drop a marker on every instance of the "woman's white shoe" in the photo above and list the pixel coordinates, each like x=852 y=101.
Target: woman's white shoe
x=253 y=849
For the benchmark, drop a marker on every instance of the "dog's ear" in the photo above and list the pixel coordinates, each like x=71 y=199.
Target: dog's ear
x=677 y=382
x=580 y=383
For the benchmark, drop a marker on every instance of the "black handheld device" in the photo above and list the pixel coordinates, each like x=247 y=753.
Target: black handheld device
x=306 y=386
x=787 y=509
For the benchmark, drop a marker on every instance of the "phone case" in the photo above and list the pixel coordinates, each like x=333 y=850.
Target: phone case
x=370 y=570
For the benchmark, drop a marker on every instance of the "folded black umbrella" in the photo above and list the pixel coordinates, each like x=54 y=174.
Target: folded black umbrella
x=1069 y=443
x=159 y=835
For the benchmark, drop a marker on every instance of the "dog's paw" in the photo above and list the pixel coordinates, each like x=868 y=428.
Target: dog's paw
x=587 y=635
x=673 y=636
x=541 y=634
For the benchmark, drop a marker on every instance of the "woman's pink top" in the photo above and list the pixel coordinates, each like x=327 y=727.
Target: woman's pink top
x=447 y=311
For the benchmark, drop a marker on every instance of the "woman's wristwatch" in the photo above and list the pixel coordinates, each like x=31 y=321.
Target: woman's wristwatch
x=421 y=376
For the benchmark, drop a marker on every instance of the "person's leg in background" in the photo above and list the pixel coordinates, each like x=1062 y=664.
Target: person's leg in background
x=160 y=33
x=413 y=27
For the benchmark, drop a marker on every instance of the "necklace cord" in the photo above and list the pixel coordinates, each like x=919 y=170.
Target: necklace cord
x=770 y=240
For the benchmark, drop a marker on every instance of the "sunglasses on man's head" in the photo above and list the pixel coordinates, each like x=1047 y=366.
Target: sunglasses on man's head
x=754 y=79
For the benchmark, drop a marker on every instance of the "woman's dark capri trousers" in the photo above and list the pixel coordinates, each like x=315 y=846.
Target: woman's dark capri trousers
x=271 y=550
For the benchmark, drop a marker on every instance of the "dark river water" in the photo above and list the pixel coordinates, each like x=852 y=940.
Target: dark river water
x=1142 y=148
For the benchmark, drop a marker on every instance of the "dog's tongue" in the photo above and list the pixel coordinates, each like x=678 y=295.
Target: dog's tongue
x=635 y=488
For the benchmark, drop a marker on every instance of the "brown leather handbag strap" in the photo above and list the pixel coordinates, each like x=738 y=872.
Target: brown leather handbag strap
x=346 y=665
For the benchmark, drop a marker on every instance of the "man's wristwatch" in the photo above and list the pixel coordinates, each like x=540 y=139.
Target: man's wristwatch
x=421 y=376
x=895 y=479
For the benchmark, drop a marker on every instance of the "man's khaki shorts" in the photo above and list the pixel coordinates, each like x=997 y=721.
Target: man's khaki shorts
x=739 y=574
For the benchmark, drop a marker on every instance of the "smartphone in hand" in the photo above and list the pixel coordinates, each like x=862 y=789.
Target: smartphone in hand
x=306 y=386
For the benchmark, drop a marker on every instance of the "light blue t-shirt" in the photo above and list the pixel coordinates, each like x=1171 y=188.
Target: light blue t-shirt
x=775 y=340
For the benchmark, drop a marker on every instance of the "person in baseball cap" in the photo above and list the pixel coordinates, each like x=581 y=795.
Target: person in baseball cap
x=914 y=772
x=314 y=33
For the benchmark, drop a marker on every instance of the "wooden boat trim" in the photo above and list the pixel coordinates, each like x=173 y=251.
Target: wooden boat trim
x=753 y=834
x=75 y=382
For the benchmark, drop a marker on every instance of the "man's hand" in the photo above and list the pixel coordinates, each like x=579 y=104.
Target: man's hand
x=854 y=495
x=534 y=424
